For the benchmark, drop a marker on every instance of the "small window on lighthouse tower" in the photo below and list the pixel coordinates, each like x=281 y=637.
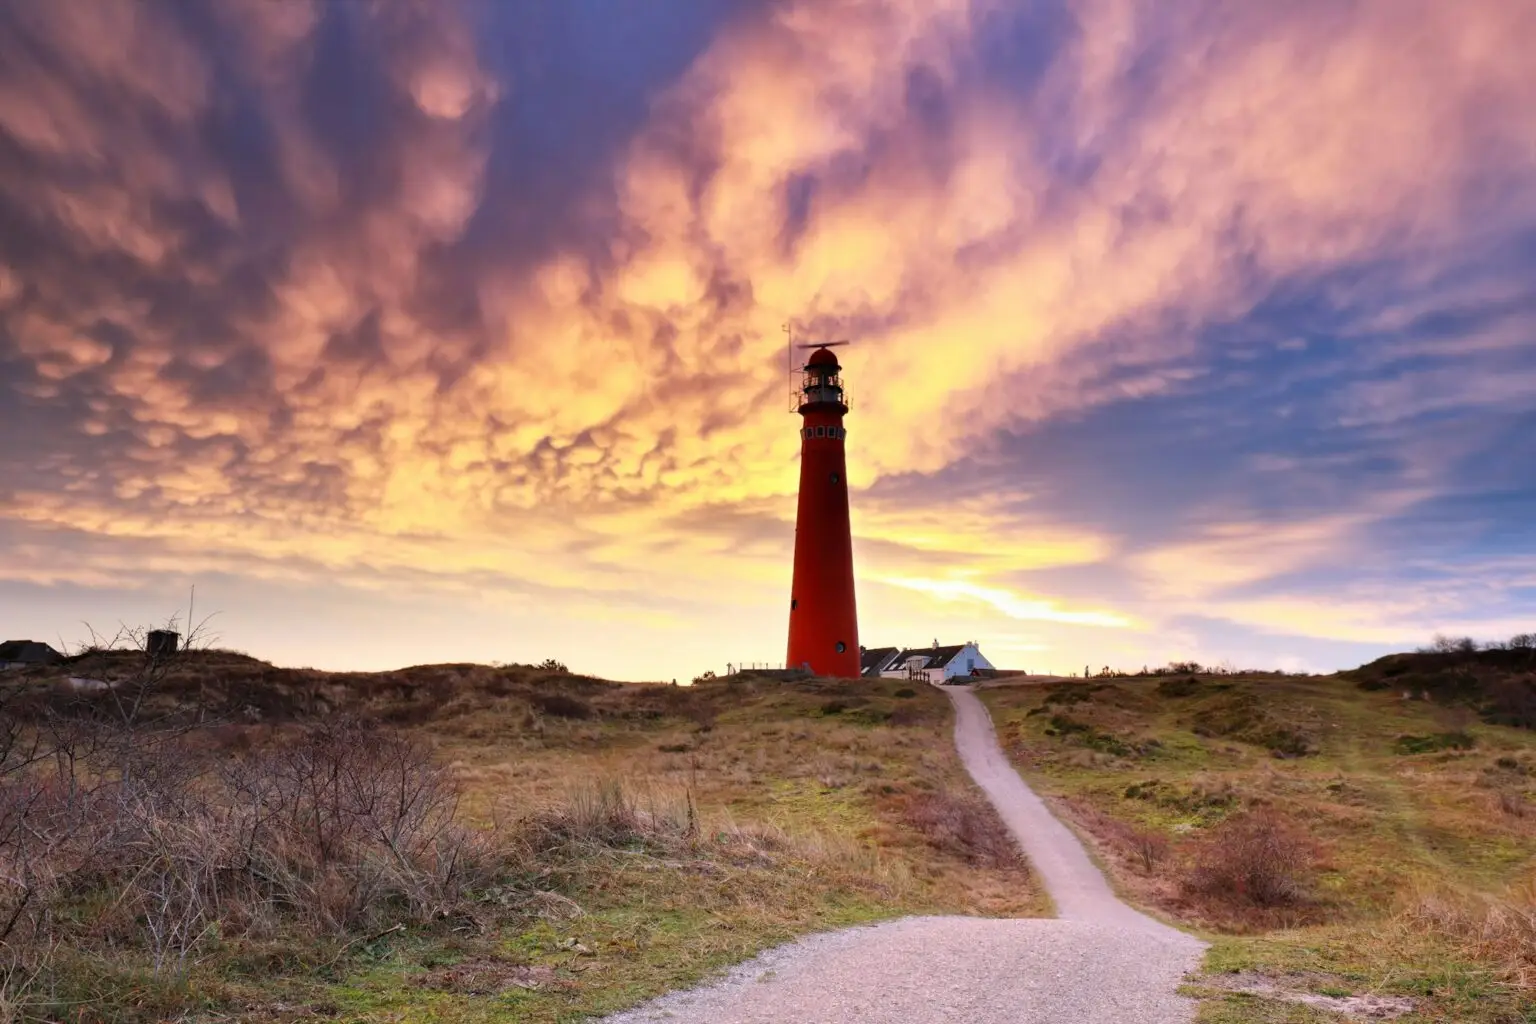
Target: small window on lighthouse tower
x=841 y=647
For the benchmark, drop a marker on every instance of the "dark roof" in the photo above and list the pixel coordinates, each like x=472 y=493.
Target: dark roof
x=28 y=651
x=875 y=660
x=937 y=657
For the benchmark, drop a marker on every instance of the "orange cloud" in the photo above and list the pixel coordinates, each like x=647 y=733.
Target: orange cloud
x=316 y=399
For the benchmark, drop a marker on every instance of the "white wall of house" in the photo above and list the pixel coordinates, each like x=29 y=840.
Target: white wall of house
x=962 y=664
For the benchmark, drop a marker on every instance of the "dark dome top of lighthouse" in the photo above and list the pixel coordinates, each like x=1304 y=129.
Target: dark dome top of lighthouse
x=822 y=357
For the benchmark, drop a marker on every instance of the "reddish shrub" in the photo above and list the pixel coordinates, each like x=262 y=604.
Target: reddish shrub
x=962 y=824
x=1259 y=859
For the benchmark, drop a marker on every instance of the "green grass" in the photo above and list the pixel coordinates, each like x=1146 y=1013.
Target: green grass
x=1398 y=795
x=630 y=954
x=1345 y=961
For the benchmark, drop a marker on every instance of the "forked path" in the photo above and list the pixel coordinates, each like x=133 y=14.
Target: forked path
x=1099 y=962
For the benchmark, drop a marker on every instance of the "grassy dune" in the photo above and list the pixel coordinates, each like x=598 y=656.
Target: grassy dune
x=1330 y=839
x=569 y=846
x=818 y=805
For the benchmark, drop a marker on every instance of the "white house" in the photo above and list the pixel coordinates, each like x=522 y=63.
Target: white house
x=936 y=664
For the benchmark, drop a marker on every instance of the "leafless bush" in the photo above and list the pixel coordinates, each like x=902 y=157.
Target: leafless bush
x=1149 y=848
x=126 y=823
x=133 y=682
x=1258 y=859
x=348 y=824
x=1512 y=701
x=962 y=824
x=136 y=840
x=1442 y=644
x=609 y=814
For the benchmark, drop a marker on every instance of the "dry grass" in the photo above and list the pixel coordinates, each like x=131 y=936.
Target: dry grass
x=1382 y=797
x=1495 y=929
x=332 y=844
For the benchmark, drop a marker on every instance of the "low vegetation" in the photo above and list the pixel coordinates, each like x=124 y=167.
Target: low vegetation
x=210 y=837
x=1358 y=835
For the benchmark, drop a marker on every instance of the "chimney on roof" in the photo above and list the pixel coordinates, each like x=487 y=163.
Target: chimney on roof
x=935 y=643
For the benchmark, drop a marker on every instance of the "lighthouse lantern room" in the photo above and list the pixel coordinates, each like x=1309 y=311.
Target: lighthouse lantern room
x=823 y=617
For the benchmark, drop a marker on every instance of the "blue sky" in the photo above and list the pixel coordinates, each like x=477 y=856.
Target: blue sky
x=451 y=331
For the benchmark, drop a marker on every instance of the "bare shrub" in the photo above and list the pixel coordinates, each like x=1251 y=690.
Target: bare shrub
x=1258 y=859
x=610 y=814
x=130 y=822
x=351 y=823
x=134 y=838
x=1512 y=701
x=962 y=824
x=1442 y=644
x=1149 y=848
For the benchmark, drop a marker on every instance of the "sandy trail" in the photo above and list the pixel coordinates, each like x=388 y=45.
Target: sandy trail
x=1099 y=962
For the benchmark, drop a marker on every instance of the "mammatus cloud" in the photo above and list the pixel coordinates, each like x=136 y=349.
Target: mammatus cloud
x=278 y=299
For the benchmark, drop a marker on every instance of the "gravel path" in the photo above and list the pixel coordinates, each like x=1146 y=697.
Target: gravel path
x=1099 y=962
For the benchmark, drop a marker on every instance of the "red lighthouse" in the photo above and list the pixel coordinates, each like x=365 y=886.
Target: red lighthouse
x=823 y=620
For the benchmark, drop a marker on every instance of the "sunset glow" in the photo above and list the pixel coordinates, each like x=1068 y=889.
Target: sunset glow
x=435 y=331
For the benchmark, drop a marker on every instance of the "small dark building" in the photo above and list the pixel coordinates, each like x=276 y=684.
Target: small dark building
x=875 y=660
x=26 y=653
x=161 y=642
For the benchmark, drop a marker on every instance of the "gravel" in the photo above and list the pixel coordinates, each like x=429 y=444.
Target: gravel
x=1098 y=962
